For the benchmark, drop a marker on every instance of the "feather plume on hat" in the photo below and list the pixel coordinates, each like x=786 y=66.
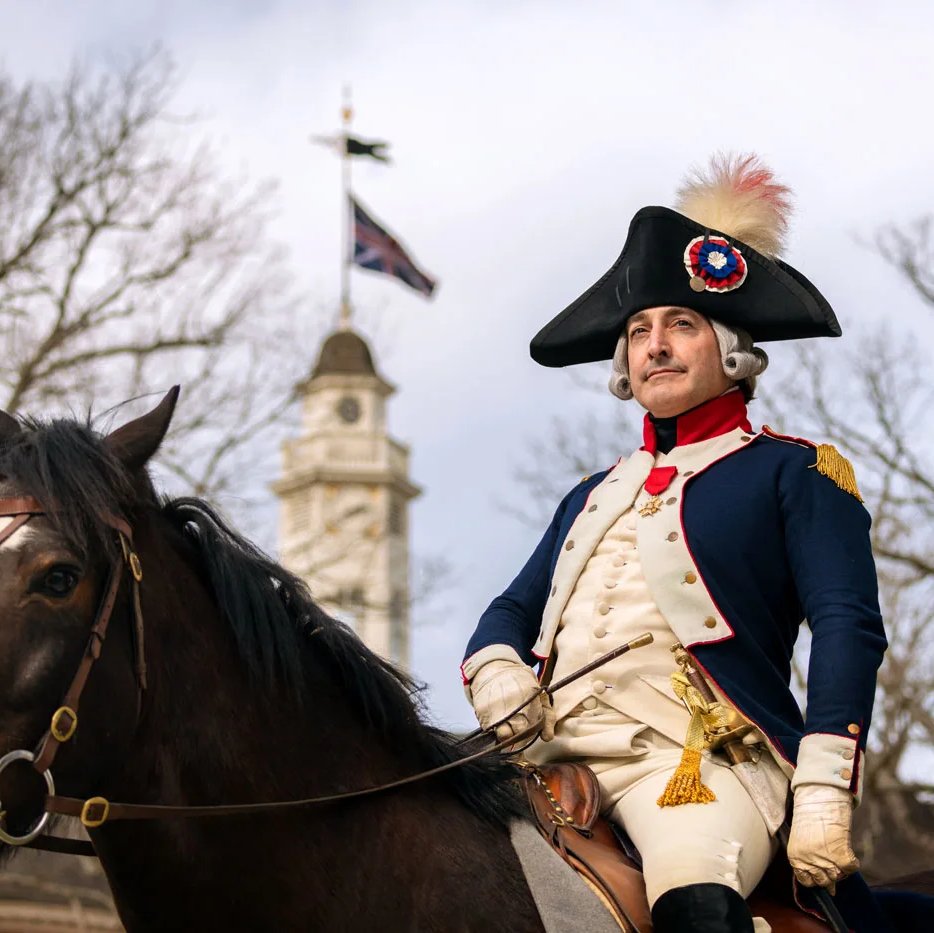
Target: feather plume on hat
x=738 y=196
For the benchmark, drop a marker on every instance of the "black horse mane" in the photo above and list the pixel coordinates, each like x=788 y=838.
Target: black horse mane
x=271 y=613
x=273 y=616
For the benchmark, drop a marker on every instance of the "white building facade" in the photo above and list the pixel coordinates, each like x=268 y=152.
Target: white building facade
x=344 y=495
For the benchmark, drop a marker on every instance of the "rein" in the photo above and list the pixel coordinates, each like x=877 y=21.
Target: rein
x=95 y=811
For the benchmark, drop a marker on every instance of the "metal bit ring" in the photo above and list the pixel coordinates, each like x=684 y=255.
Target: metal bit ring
x=21 y=754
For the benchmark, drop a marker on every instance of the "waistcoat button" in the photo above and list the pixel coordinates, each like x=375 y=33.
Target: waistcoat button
x=590 y=703
x=599 y=686
x=568 y=545
x=600 y=631
x=671 y=501
x=603 y=609
x=690 y=577
x=710 y=622
x=673 y=536
x=846 y=774
x=593 y=508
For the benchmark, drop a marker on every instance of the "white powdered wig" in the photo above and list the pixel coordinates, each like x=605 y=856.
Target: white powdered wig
x=742 y=362
x=738 y=195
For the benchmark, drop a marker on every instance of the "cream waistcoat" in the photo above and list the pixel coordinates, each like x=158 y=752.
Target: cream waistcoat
x=610 y=605
x=669 y=570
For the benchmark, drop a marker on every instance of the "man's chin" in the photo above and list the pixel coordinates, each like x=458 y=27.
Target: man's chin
x=665 y=401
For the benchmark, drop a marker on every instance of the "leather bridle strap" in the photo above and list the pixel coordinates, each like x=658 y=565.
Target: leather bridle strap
x=96 y=811
x=65 y=719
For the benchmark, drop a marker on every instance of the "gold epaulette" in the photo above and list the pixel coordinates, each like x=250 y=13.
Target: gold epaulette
x=830 y=462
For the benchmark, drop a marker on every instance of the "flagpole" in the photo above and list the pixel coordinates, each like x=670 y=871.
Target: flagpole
x=346 y=212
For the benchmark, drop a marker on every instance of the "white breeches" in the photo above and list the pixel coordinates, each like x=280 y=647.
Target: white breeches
x=723 y=842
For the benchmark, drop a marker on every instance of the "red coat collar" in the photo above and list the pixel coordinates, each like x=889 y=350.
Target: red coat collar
x=709 y=419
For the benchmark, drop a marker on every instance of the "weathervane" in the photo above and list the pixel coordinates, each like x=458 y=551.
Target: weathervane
x=365 y=242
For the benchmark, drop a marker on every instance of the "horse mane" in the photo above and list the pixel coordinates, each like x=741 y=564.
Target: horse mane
x=274 y=621
x=79 y=482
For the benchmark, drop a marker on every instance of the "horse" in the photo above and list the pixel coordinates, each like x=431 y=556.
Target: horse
x=252 y=694
x=221 y=682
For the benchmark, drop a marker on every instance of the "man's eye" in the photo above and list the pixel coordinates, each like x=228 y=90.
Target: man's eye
x=636 y=332
x=59 y=581
x=683 y=322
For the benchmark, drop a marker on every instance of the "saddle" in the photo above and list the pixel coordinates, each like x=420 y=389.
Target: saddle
x=565 y=801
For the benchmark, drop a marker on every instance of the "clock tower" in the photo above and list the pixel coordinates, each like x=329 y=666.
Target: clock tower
x=344 y=495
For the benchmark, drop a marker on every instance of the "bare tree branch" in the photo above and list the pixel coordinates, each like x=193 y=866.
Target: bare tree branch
x=127 y=263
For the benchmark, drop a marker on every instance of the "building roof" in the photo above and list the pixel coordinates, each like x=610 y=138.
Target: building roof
x=344 y=352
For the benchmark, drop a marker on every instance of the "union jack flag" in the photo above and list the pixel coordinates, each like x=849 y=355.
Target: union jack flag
x=374 y=248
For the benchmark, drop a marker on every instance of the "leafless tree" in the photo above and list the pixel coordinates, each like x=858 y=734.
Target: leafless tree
x=128 y=263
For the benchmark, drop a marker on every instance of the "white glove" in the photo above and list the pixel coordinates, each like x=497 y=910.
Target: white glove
x=819 y=846
x=499 y=687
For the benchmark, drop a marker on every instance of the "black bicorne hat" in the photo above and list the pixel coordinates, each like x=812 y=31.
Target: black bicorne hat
x=670 y=260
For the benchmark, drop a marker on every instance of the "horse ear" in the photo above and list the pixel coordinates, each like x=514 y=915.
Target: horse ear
x=9 y=426
x=136 y=441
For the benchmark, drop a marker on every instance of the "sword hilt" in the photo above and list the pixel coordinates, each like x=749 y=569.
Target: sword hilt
x=729 y=739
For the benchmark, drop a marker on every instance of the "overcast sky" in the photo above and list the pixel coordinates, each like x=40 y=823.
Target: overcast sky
x=524 y=137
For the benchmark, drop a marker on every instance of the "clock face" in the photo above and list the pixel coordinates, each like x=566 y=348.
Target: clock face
x=348 y=408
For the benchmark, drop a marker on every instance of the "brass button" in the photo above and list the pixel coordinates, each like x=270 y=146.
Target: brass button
x=671 y=501
x=599 y=686
x=603 y=609
x=848 y=754
x=690 y=577
x=590 y=703
x=697 y=283
x=710 y=622
x=846 y=774
x=554 y=589
x=599 y=632
x=593 y=508
x=568 y=545
x=745 y=438
x=853 y=729
x=673 y=536
x=689 y=473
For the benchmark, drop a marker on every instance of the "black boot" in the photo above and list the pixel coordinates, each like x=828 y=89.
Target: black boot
x=701 y=908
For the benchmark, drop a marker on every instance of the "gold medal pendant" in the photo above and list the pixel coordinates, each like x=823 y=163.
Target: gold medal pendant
x=651 y=507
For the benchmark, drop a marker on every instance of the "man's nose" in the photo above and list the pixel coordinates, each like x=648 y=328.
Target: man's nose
x=658 y=343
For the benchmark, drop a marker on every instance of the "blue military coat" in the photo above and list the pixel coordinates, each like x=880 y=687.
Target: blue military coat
x=755 y=541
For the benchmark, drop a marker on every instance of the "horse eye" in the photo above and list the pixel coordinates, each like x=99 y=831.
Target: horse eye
x=59 y=581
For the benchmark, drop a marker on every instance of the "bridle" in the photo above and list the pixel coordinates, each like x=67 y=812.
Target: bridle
x=64 y=722
x=95 y=811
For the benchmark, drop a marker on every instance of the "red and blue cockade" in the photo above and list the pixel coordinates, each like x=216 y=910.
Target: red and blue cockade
x=716 y=262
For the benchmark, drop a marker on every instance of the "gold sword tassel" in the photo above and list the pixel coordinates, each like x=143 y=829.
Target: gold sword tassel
x=685 y=785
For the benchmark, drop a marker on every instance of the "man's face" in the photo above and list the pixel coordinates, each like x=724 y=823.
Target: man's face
x=674 y=360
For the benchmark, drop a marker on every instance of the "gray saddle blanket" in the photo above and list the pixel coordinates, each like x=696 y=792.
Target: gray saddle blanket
x=565 y=903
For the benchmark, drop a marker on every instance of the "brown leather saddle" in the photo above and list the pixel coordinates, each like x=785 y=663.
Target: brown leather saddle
x=565 y=801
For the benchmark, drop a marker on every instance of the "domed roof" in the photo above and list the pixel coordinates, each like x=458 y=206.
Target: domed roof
x=344 y=352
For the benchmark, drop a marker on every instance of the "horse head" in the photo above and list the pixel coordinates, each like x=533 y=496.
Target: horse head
x=68 y=499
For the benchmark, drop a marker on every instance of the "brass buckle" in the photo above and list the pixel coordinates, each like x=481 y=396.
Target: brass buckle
x=132 y=559
x=136 y=568
x=90 y=822
x=59 y=734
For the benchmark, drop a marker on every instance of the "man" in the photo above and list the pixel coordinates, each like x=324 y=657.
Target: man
x=712 y=537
